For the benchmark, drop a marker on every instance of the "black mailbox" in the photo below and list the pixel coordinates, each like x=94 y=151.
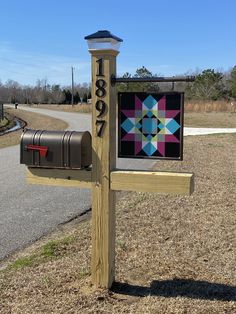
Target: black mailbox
x=56 y=149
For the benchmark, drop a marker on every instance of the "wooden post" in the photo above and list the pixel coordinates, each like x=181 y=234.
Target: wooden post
x=104 y=161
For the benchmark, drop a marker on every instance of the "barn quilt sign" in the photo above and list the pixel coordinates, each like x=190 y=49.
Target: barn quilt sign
x=150 y=125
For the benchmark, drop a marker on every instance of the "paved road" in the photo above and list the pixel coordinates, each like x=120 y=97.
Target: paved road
x=27 y=212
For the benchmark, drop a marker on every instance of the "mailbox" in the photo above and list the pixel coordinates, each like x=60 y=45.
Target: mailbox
x=56 y=149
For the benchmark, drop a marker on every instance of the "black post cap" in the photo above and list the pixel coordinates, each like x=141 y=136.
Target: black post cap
x=103 y=34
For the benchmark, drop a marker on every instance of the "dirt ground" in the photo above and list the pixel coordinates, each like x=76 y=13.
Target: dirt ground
x=33 y=121
x=174 y=254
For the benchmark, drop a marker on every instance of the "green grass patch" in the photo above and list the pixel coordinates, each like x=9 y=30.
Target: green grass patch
x=23 y=262
x=4 y=123
x=84 y=272
x=50 y=250
x=121 y=244
x=54 y=248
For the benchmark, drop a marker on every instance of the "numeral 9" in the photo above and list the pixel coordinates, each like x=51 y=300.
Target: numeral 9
x=100 y=107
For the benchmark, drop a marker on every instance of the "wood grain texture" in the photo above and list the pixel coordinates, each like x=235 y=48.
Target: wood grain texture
x=103 y=161
x=60 y=177
x=158 y=182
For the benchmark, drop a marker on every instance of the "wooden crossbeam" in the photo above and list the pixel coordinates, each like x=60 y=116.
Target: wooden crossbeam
x=147 y=181
x=121 y=180
x=60 y=177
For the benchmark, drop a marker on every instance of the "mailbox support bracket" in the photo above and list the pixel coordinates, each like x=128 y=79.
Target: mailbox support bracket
x=81 y=178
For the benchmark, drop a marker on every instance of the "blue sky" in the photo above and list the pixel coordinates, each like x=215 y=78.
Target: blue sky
x=44 y=38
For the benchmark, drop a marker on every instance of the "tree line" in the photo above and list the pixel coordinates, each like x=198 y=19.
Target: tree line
x=43 y=93
x=208 y=85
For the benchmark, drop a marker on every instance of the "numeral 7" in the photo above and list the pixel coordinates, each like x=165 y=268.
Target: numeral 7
x=101 y=125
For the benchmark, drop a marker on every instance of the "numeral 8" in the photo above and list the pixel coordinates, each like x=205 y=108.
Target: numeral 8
x=100 y=91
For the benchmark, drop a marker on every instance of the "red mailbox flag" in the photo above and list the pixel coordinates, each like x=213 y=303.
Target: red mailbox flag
x=42 y=149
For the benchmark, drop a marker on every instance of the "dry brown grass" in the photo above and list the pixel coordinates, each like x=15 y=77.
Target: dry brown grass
x=210 y=106
x=199 y=114
x=174 y=254
x=210 y=119
x=193 y=106
x=81 y=108
x=34 y=121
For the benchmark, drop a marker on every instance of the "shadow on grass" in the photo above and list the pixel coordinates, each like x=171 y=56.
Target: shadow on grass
x=179 y=288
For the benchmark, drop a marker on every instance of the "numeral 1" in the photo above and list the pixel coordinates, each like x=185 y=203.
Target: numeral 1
x=100 y=67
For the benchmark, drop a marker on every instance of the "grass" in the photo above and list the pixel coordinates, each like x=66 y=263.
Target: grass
x=210 y=106
x=52 y=249
x=84 y=272
x=190 y=106
x=34 y=121
x=193 y=106
x=55 y=248
x=174 y=254
x=79 y=108
x=191 y=119
x=3 y=123
x=7 y=123
x=121 y=244
x=199 y=118
x=23 y=262
x=210 y=119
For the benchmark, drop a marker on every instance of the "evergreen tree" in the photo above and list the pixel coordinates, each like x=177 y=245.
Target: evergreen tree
x=76 y=98
x=85 y=97
x=124 y=87
x=143 y=72
x=67 y=96
x=89 y=95
x=207 y=86
x=233 y=82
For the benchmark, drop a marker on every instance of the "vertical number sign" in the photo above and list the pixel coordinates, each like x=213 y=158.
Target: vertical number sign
x=100 y=104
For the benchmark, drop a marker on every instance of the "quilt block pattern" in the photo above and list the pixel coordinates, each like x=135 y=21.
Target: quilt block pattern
x=150 y=125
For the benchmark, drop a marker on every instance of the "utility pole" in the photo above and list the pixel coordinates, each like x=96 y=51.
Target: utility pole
x=72 y=86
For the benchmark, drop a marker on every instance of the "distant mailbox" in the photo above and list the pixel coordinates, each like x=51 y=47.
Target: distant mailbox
x=56 y=149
